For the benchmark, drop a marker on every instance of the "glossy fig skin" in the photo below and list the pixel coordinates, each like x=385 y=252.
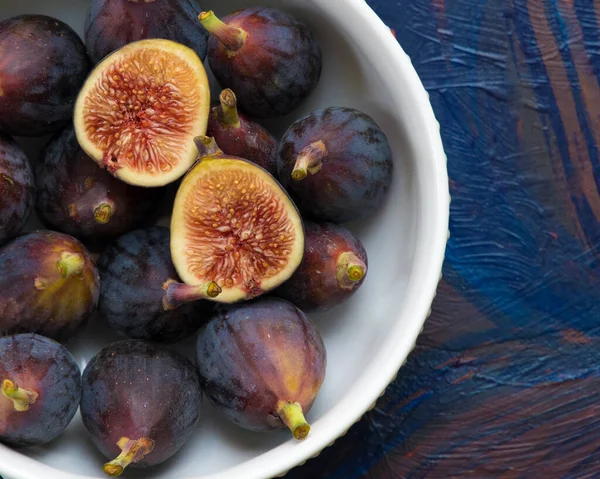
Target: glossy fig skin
x=315 y=286
x=246 y=139
x=34 y=295
x=45 y=367
x=114 y=23
x=133 y=271
x=276 y=69
x=137 y=389
x=356 y=171
x=17 y=189
x=254 y=355
x=42 y=67
x=77 y=197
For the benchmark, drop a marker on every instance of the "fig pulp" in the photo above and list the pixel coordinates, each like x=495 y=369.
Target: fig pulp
x=262 y=364
x=333 y=268
x=140 y=403
x=49 y=285
x=239 y=136
x=141 y=108
x=40 y=386
x=141 y=297
x=232 y=223
x=43 y=64
x=267 y=57
x=337 y=164
x=112 y=24
x=78 y=198
x=17 y=189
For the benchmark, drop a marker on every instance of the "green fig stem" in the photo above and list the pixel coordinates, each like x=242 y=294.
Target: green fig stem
x=131 y=452
x=103 y=213
x=227 y=112
x=232 y=38
x=177 y=294
x=350 y=270
x=207 y=147
x=309 y=160
x=293 y=417
x=70 y=264
x=22 y=398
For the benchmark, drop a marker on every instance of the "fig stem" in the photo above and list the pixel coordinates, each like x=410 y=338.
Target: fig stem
x=350 y=270
x=232 y=38
x=227 y=112
x=103 y=213
x=70 y=264
x=292 y=416
x=207 y=147
x=21 y=398
x=177 y=294
x=131 y=452
x=309 y=160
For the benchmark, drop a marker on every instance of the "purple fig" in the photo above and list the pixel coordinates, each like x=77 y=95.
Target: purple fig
x=43 y=64
x=77 y=197
x=112 y=24
x=17 y=189
x=262 y=364
x=267 y=57
x=336 y=164
x=140 y=403
x=49 y=285
x=237 y=135
x=40 y=389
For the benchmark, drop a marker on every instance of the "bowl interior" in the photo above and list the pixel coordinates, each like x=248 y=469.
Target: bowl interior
x=378 y=325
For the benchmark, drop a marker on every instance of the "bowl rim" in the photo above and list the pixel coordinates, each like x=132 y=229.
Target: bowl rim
x=281 y=459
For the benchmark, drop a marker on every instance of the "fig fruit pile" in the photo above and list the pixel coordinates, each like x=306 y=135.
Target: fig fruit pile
x=257 y=239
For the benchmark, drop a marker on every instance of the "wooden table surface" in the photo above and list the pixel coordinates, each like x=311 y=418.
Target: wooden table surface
x=504 y=382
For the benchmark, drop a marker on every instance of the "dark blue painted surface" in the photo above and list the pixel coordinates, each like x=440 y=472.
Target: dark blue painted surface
x=505 y=380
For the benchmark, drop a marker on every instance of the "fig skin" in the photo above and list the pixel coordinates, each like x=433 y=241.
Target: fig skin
x=270 y=59
x=112 y=24
x=138 y=390
x=42 y=67
x=44 y=382
x=49 y=285
x=238 y=135
x=256 y=357
x=336 y=163
x=136 y=272
x=77 y=197
x=17 y=189
x=334 y=267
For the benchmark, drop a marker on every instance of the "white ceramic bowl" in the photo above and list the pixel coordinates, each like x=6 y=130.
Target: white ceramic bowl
x=369 y=337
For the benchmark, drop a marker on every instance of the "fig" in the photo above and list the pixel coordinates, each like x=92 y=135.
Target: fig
x=262 y=365
x=78 y=198
x=239 y=136
x=140 y=403
x=270 y=59
x=43 y=64
x=334 y=266
x=40 y=386
x=17 y=189
x=141 y=297
x=49 y=285
x=232 y=223
x=336 y=163
x=111 y=24
x=140 y=109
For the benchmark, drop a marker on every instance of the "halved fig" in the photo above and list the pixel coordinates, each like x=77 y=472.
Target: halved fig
x=234 y=223
x=140 y=109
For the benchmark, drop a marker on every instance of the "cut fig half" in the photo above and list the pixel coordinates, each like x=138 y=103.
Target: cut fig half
x=234 y=223
x=140 y=110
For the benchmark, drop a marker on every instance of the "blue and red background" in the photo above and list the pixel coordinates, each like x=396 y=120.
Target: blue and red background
x=505 y=379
